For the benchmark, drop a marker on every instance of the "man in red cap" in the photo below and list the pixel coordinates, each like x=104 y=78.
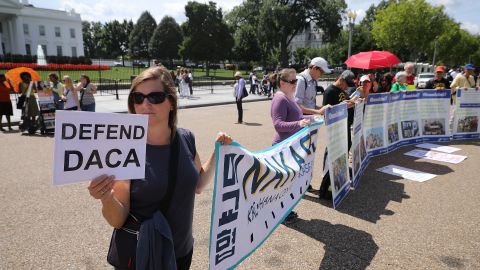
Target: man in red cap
x=438 y=82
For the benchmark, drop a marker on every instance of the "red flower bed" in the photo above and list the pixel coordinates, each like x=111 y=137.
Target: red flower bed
x=54 y=66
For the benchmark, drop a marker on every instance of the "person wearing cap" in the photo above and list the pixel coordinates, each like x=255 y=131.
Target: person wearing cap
x=400 y=82
x=465 y=81
x=306 y=90
x=364 y=89
x=337 y=93
x=438 y=82
x=239 y=95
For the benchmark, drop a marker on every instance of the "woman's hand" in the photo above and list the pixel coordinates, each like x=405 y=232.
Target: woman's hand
x=223 y=138
x=101 y=186
x=304 y=122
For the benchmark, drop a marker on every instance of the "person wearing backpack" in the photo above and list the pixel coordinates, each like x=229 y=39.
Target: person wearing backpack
x=306 y=89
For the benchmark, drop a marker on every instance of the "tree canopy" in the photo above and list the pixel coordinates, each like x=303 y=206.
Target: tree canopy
x=206 y=35
x=141 y=35
x=166 y=39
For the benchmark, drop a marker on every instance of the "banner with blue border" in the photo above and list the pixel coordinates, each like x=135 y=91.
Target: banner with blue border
x=254 y=193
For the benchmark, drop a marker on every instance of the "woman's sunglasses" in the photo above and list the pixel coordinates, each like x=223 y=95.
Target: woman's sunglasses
x=153 y=97
x=294 y=81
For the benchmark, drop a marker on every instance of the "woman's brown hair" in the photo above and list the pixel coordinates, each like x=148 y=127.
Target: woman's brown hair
x=163 y=75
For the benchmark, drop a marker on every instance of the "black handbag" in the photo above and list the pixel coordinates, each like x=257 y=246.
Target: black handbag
x=123 y=245
x=244 y=92
x=21 y=102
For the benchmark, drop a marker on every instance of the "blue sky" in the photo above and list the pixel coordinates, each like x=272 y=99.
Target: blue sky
x=462 y=11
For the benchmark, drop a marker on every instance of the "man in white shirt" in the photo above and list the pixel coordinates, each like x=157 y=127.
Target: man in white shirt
x=239 y=95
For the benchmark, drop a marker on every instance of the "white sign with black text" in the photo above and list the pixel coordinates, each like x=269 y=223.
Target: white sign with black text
x=91 y=144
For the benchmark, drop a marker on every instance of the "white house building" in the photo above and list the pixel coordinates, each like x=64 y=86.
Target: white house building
x=311 y=37
x=23 y=27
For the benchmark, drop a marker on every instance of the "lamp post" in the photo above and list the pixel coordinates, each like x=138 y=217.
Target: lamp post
x=351 y=22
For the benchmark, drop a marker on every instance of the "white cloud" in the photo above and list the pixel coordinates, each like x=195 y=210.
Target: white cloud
x=473 y=28
x=107 y=10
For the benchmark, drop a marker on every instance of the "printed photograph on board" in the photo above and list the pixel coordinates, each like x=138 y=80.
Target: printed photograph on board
x=363 y=151
x=375 y=138
x=467 y=124
x=435 y=126
x=340 y=171
x=356 y=158
x=410 y=129
x=393 y=133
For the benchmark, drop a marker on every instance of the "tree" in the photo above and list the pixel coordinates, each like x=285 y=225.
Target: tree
x=206 y=35
x=140 y=36
x=456 y=46
x=115 y=38
x=92 y=39
x=408 y=28
x=166 y=40
x=279 y=21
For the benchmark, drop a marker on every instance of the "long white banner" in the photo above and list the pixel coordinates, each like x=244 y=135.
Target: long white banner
x=254 y=193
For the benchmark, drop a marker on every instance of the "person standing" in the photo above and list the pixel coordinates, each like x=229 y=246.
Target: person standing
x=438 y=82
x=164 y=199
x=5 y=102
x=72 y=102
x=306 y=90
x=400 y=82
x=190 y=81
x=287 y=116
x=32 y=106
x=86 y=89
x=239 y=86
x=465 y=80
x=337 y=93
x=57 y=91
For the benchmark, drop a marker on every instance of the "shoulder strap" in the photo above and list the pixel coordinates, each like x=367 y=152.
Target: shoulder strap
x=306 y=82
x=172 y=174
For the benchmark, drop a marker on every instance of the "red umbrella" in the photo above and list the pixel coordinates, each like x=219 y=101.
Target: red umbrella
x=372 y=60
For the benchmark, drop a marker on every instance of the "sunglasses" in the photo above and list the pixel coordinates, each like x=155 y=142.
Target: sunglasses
x=294 y=81
x=153 y=97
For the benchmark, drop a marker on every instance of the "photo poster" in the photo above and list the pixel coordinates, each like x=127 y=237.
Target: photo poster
x=392 y=121
x=467 y=113
x=358 y=150
x=374 y=122
x=434 y=112
x=254 y=193
x=90 y=144
x=45 y=100
x=337 y=158
x=409 y=118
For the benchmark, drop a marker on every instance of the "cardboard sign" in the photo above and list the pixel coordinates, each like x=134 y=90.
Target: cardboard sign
x=91 y=144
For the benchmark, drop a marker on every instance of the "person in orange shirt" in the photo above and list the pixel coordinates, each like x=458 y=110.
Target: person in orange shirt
x=5 y=102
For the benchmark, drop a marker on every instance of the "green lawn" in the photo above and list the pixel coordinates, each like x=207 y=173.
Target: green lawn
x=124 y=73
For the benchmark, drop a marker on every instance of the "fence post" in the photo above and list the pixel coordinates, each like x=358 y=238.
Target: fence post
x=211 y=85
x=116 y=89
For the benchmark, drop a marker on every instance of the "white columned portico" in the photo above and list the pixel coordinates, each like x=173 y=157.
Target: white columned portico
x=20 y=42
x=11 y=36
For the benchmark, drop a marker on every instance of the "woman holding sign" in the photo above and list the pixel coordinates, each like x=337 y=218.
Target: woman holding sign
x=287 y=115
x=173 y=174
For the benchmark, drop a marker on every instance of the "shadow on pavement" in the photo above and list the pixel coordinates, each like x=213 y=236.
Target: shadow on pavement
x=345 y=247
x=252 y=124
x=375 y=190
